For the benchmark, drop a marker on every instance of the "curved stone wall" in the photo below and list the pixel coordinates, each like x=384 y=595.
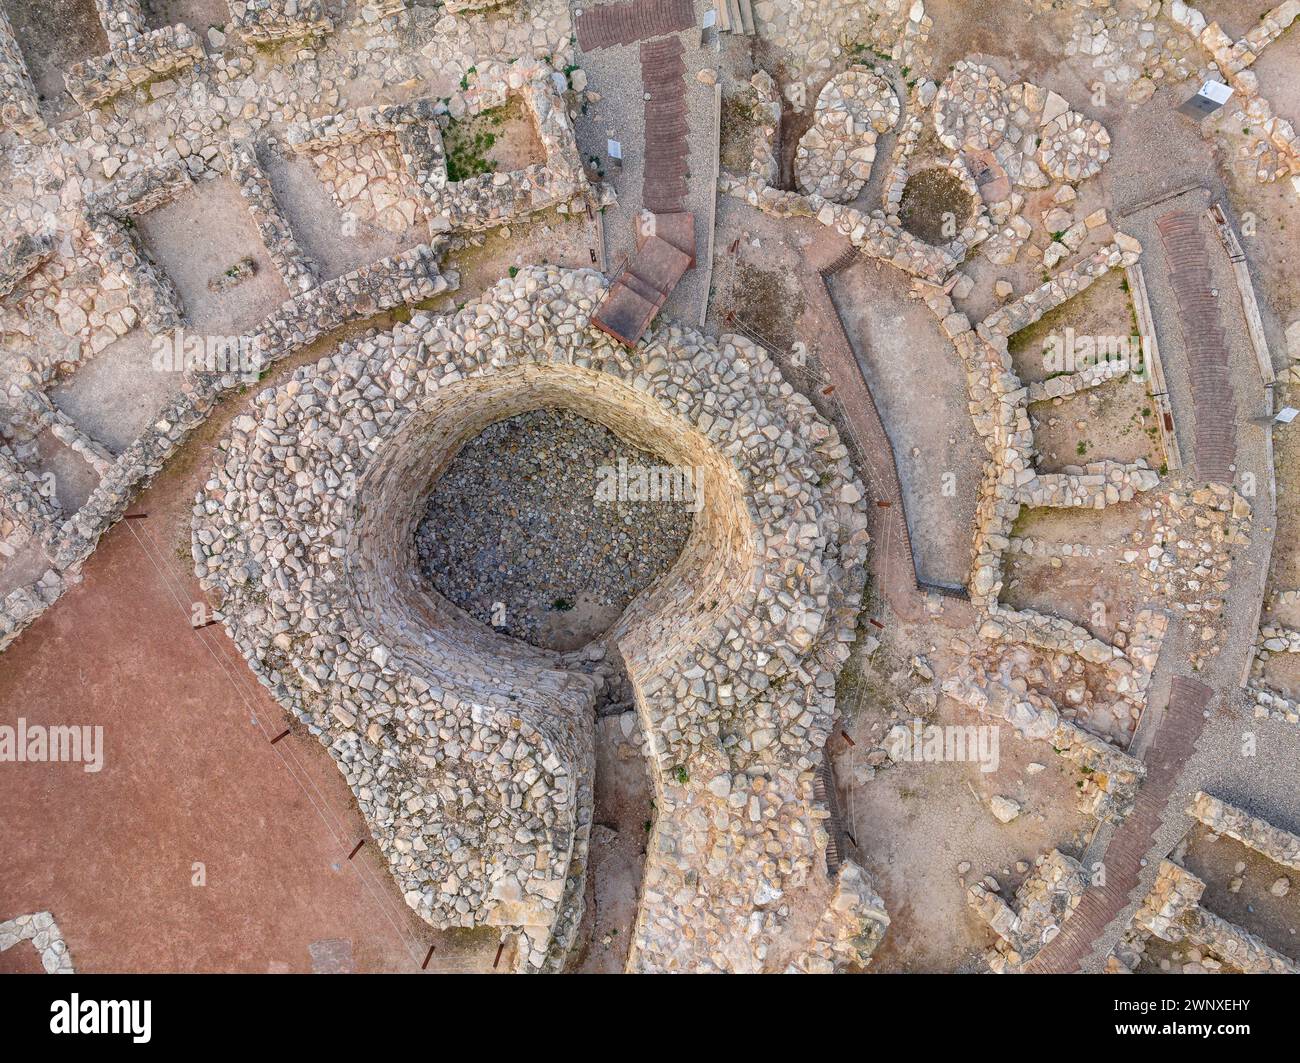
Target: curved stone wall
x=471 y=753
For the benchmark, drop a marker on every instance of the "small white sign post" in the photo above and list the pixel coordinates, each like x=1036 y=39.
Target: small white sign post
x=1208 y=99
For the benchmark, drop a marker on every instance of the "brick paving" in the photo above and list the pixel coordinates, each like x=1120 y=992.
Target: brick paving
x=663 y=77
x=1171 y=749
x=1215 y=406
x=634 y=20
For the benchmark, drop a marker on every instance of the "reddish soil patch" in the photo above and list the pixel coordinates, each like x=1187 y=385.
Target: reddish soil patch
x=190 y=777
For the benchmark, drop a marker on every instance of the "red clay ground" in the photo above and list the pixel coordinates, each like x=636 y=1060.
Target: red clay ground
x=190 y=776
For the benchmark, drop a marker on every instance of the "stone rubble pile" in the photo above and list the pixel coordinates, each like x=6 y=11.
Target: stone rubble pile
x=1112 y=776
x=1041 y=905
x=849 y=930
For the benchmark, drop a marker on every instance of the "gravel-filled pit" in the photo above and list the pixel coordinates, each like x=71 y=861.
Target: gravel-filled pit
x=522 y=533
x=935 y=205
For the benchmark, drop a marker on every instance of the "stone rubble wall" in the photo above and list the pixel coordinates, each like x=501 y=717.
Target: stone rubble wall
x=402 y=280
x=110 y=217
x=292 y=263
x=733 y=657
x=1175 y=893
x=998 y=405
x=1113 y=776
x=273 y=21
x=1278 y=845
x=1130 y=666
x=19 y=105
x=151 y=292
x=1272 y=705
x=909 y=135
x=1093 y=486
x=764 y=166
x=1067 y=384
x=849 y=930
x=20 y=257
x=485 y=201
x=121 y=19
x=1042 y=904
x=494 y=199
x=43 y=414
x=1064 y=286
x=21 y=502
x=1233 y=58
x=869 y=233
x=133 y=61
x=457 y=7
x=1172 y=912
x=1236 y=945
x=999 y=411
x=46 y=937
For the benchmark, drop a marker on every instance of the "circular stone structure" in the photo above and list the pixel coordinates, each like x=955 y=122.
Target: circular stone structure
x=835 y=156
x=1073 y=147
x=470 y=753
x=972 y=108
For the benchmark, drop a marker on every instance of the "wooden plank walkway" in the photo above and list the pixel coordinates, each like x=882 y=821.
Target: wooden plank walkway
x=1213 y=399
x=604 y=25
x=1170 y=750
x=663 y=77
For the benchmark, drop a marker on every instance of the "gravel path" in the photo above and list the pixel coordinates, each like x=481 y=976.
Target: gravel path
x=515 y=522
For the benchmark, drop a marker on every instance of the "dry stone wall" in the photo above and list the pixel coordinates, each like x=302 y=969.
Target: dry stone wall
x=471 y=754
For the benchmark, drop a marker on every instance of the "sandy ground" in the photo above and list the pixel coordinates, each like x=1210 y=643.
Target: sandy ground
x=190 y=777
x=1071 y=586
x=53 y=35
x=1215 y=859
x=197 y=14
x=914 y=823
x=919 y=387
x=116 y=394
x=624 y=810
x=1115 y=421
x=74 y=479
x=199 y=237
